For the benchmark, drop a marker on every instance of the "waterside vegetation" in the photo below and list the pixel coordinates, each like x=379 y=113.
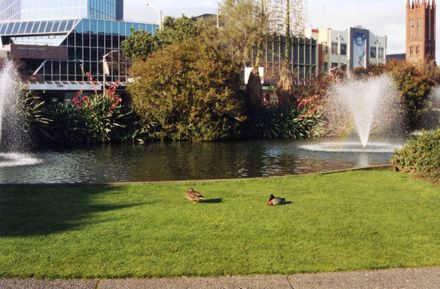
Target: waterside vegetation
x=186 y=86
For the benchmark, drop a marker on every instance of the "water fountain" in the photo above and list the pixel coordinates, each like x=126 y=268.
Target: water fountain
x=431 y=114
x=364 y=105
x=12 y=140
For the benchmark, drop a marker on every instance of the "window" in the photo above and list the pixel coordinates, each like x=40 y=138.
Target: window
x=334 y=65
x=411 y=29
x=381 y=52
x=343 y=49
x=373 y=52
x=325 y=67
x=417 y=50
x=411 y=51
x=334 y=48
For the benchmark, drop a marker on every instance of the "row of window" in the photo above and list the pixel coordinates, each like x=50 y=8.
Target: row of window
x=336 y=49
x=414 y=51
x=374 y=51
x=37 y=27
x=377 y=52
x=417 y=51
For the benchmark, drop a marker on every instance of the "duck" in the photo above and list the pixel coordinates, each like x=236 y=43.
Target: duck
x=275 y=201
x=194 y=196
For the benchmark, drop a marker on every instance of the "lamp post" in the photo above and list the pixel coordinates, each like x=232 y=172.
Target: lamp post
x=105 y=69
x=160 y=14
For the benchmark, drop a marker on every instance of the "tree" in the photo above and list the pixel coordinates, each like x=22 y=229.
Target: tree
x=245 y=26
x=176 y=30
x=141 y=44
x=188 y=90
x=414 y=85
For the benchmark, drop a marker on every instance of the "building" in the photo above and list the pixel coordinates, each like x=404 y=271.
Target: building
x=58 y=54
x=420 y=31
x=396 y=57
x=348 y=49
x=34 y=10
x=301 y=55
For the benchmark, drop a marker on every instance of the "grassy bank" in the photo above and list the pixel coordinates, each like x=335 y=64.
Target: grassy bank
x=344 y=221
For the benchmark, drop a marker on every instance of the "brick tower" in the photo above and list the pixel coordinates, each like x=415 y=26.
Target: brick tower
x=420 y=31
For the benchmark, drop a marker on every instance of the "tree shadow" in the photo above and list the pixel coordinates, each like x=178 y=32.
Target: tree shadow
x=211 y=201
x=41 y=210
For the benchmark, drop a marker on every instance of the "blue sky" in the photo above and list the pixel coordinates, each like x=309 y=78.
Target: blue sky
x=382 y=17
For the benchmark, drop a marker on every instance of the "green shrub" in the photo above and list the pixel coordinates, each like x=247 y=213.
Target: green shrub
x=420 y=156
x=187 y=91
x=275 y=123
x=88 y=120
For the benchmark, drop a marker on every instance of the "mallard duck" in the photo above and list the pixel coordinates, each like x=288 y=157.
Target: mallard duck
x=275 y=201
x=194 y=196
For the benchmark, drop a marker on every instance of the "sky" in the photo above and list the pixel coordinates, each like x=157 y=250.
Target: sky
x=382 y=17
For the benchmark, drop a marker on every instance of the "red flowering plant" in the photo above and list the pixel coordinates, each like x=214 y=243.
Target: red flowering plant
x=102 y=111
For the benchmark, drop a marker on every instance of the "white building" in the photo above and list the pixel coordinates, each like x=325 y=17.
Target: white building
x=348 y=49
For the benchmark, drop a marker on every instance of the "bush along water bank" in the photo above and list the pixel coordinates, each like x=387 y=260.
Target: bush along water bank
x=421 y=156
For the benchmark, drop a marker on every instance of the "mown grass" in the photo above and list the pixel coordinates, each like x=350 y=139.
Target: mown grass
x=345 y=221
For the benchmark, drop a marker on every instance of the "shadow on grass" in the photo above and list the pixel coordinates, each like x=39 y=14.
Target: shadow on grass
x=211 y=201
x=42 y=210
x=284 y=204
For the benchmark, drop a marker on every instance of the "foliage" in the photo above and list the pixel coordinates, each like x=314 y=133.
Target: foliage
x=244 y=26
x=273 y=123
x=421 y=156
x=414 y=84
x=36 y=120
x=187 y=91
x=141 y=44
x=346 y=221
x=254 y=91
x=102 y=112
x=285 y=87
x=176 y=29
x=88 y=120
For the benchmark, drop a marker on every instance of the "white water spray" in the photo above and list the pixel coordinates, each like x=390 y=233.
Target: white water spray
x=12 y=139
x=9 y=92
x=366 y=103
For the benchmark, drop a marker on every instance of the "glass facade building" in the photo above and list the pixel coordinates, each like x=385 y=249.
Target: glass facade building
x=85 y=42
x=28 y=10
x=10 y=10
x=61 y=54
x=301 y=55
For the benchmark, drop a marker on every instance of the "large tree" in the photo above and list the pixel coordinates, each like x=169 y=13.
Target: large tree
x=187 y=91
x=141 y=43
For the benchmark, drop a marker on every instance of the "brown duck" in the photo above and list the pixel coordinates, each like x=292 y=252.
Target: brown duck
x=275 y=201
x=194 y=196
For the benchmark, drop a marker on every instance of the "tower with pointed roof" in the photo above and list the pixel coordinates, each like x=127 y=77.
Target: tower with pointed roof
x=420 y=31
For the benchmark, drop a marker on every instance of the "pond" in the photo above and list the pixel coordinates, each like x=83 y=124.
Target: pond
x=180 y=161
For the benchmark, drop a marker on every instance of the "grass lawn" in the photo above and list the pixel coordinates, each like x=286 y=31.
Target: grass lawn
x=344 y=221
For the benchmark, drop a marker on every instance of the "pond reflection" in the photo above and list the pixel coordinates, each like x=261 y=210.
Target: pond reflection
x=183 y=161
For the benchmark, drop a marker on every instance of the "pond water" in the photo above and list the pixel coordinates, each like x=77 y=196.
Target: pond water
x=181 y=161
